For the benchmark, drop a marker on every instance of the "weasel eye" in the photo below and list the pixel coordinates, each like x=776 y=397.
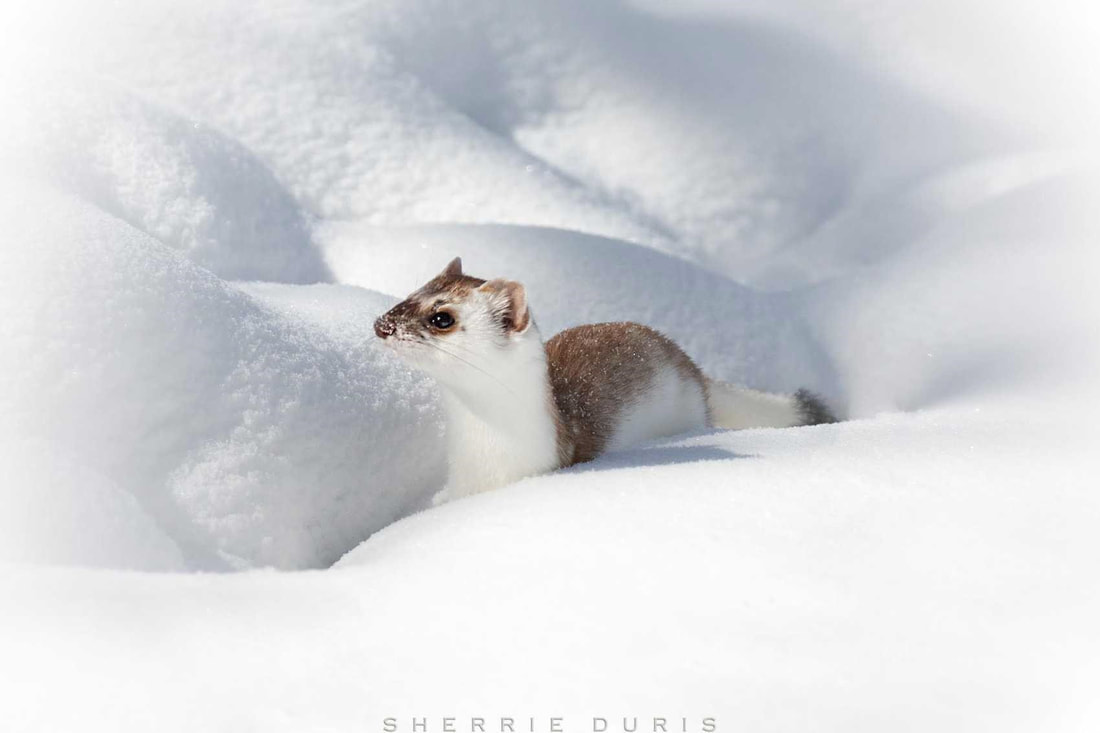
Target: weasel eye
x=441 y=320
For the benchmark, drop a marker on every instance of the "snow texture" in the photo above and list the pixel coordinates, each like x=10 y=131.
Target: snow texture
x=205 y=205
x=254 y=434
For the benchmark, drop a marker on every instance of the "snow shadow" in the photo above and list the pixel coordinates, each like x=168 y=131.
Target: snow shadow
x=663 y=455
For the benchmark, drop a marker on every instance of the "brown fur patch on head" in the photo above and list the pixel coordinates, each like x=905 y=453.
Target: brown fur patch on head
x=449 y=286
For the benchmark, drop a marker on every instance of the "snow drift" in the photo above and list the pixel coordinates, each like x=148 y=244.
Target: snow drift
x=249 y=437
x=205 y=206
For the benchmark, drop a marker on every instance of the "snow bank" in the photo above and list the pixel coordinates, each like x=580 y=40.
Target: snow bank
x=840 y=577
x=734 y=333
x=59 y=512
x=322 y=96
x=753 y=183
x=172 y=177
x=720 y=141
x=252 y=437
x=995 y=304
x=848 y=577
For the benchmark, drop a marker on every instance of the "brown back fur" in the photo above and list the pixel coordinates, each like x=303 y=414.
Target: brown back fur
x=597 y=371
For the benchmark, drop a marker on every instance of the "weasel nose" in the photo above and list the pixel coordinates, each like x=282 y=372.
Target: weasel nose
x=383 y=328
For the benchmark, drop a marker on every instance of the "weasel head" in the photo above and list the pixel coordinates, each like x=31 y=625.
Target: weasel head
x=461 y=330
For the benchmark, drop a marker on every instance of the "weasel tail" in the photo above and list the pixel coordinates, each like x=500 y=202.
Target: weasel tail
x=737 y=408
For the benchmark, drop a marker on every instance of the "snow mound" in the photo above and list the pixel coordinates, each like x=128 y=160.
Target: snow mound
x=722 y=140
x=320 y=95
x=178 y=180
x=733 y=332
x=802 y=193
x=830 y=573
x=58 y=512
x=977 y=310
x=252 y=437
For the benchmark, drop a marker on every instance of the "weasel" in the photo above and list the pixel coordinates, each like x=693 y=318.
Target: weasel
x=517 y=407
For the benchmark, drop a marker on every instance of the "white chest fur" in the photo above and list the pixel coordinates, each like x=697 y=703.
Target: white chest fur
x=485 y=454
x=500 y=430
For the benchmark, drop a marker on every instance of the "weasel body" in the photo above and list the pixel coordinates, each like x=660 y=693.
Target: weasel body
x=619 y=384
x=516 y=407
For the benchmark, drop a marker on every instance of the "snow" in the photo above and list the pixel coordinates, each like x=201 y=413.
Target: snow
x=181 y=181
x=69 y=514
x=733 y=332
x=253 y=434
x=206 y=205
x=864 y=575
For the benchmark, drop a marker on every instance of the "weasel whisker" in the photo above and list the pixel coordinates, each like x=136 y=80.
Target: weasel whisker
x=469 y=364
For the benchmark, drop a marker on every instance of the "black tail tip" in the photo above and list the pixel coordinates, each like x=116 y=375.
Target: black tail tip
x=812 y=409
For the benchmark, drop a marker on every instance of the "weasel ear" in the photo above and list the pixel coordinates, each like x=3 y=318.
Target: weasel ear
x=511 y=298
x=454 y=269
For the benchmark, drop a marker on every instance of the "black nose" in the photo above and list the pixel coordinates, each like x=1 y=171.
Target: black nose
x=383 y=328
